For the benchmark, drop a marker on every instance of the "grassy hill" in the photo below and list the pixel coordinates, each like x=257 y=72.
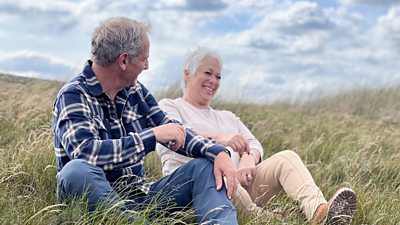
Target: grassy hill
x=351 y=139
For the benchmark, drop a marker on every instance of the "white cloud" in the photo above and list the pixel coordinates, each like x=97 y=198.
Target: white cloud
x=54 y=16
x=300 y=16
x=253 y=4
x=204 y=5
x=388 y=27
x=372 y=2
x=304 y=50
x=35 y=64
x=300 y=28
x=303 y=85
x=272 y=49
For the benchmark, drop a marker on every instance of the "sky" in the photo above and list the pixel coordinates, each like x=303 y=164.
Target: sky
x=272 y=50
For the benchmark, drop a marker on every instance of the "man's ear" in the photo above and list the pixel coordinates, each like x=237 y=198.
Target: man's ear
x=123 y=61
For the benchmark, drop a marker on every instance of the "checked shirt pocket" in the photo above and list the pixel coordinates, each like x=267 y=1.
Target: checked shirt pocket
x=134 y=121
x=102 y=127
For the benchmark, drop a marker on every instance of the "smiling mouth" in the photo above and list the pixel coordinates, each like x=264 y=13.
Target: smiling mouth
x=208 y=89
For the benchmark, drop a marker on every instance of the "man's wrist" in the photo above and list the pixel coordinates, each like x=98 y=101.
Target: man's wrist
x=227 y=152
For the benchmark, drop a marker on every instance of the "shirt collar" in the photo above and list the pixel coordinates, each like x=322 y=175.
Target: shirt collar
x=93 y=84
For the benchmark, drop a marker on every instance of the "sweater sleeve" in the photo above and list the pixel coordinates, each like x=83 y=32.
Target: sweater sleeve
x=253 y=142
x=171 y=109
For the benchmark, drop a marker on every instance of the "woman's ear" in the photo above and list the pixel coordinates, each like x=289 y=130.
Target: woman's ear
x=186 y=75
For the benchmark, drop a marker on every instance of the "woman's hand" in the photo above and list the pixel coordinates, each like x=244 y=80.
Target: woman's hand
x=246 y=170
x=236 y=141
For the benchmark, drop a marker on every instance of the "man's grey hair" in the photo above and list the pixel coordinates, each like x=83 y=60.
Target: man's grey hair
x=117 y=35
x=195 y=57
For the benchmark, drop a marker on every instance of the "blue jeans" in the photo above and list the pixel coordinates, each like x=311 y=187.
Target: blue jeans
x=193 y=184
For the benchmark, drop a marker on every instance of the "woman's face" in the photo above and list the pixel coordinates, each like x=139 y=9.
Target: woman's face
x=203 y=85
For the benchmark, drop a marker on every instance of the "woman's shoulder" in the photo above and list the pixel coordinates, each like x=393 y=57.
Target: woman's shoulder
x=225 y=113
x=169 y=101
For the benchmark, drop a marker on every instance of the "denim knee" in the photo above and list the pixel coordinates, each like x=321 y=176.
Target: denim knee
x=76 y=177
x=202 y=165
x=77 y=169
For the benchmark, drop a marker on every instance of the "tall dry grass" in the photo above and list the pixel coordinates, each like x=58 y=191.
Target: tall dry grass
x=350 y=140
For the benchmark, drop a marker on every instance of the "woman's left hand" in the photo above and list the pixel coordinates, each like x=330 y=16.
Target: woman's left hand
x=236 y=141
x=246 y=170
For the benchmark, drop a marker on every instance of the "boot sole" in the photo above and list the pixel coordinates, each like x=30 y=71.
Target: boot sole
x=342 y=207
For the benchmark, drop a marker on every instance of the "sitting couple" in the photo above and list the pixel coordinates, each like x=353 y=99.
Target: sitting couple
x=259 y=179
x=105 y=122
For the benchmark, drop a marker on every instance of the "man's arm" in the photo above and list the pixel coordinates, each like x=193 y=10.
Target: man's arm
x=194 y=145
x=83 y=135
x=224 y=171
x=236 y=141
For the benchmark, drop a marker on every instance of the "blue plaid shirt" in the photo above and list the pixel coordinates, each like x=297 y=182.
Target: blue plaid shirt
x=115 y=137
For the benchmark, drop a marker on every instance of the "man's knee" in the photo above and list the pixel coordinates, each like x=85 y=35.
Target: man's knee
x=199 y=169
x=202 y=164
x=78 y=174
x=76 y=169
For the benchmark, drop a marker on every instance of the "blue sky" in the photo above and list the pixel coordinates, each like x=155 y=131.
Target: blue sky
x=272 y=49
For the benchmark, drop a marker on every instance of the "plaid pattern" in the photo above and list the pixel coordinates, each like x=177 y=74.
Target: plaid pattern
x=116 y=137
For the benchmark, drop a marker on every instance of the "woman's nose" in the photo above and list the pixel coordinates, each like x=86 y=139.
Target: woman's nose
x=214 y=78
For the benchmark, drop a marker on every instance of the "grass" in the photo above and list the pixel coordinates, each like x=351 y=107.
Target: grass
x=351 y=139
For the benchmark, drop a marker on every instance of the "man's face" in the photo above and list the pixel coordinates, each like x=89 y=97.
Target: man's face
x=141 y=62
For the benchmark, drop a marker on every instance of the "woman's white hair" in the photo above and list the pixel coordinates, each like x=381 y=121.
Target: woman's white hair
x=195 y=57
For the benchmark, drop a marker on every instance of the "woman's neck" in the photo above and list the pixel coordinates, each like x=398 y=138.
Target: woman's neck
x=200 y=105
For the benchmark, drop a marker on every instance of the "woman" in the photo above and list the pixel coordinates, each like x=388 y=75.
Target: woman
x=260 y=180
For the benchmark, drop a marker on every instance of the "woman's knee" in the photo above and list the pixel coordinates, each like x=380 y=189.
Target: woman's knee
x=285 y=157
x=290 y=154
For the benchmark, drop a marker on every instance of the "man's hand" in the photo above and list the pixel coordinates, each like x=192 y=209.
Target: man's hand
x=236 y=141
x=171 y=132
x=246 y=170
x=223 y=168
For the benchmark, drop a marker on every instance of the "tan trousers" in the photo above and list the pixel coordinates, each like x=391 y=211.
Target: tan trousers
x=282 y=171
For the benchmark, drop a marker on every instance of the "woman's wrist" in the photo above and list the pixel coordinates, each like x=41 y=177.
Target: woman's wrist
x=250 y=154
x=254 y=156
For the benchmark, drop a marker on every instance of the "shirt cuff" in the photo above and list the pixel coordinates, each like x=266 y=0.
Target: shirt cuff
x=149 y=140
x=214 y=150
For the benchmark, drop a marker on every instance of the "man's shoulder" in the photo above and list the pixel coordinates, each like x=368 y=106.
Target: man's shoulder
x=75 y=85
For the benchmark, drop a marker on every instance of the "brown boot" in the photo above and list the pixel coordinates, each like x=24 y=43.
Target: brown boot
x=339 y=210
x=320 y=214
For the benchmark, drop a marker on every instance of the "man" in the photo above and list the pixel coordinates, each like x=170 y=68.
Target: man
x=105 y=122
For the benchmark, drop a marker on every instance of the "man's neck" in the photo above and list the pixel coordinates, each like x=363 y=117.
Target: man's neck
x=108 y=78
